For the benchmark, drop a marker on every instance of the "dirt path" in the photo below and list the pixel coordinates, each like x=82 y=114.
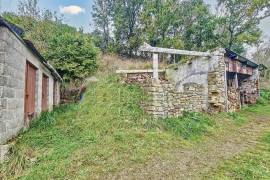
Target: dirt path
x=191 y=163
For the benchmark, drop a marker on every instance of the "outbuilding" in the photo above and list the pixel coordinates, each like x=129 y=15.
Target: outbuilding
x=28 y=83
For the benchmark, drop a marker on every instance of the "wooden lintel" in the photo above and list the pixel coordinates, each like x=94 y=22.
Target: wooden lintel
x=148 y=48
x=138 y=71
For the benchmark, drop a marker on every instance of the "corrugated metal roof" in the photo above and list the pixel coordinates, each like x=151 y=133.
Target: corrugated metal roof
x=233 y=55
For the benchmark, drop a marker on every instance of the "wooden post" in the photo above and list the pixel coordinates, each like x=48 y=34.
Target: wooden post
x=155 y=66
x=236 y=81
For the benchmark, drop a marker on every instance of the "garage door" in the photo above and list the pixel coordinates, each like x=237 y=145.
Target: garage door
x=30 y=91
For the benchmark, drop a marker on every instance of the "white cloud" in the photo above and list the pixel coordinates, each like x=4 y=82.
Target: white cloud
x=72 y=9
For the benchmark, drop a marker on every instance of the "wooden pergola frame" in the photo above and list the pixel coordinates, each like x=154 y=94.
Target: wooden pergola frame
x=157 y=50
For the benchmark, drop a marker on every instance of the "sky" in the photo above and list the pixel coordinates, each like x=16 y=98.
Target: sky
x=78 y=12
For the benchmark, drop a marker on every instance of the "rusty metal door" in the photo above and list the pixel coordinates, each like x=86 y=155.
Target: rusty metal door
x=44 y=101
x=30 y=91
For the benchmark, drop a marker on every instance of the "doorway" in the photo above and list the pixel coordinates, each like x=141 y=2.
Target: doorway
x=30 y=91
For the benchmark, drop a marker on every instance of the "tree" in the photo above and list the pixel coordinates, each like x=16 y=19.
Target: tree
x=102 y=14
x=262 y=54
x=240 y=20
x=196 y=25
x=29 y=8
x=157 y=19
x=126 y=15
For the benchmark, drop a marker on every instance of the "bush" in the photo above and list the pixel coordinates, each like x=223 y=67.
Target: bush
x=73 y=55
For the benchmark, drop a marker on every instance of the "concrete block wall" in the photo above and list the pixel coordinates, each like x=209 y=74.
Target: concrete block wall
x=13 y=57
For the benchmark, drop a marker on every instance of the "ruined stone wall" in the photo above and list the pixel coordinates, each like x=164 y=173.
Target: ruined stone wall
x=199 y=85
x=192 y=98
x=194 y=72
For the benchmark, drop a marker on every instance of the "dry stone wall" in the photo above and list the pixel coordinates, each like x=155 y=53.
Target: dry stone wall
x=165 y=101
x=233 y=99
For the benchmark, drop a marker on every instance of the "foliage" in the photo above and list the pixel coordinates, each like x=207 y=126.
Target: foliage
x=71 y=52
x=187 y=24
x=102 y=17
x=264 y=97
x=239 y=23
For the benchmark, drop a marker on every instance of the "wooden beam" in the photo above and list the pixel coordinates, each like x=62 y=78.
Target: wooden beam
x=138 y=71
x=148 y=48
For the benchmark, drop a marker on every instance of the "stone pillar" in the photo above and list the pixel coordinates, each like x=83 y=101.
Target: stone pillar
x=155 y=66
x=217 y=83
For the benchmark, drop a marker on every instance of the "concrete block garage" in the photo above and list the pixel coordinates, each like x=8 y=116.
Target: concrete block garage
x=28 y=83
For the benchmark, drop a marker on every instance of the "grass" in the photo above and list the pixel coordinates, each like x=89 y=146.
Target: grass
x=108 y=131
x=190 y=126
x=105 y=133
x=254 y=164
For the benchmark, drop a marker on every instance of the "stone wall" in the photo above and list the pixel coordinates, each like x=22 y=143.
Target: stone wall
x=233 y=99
x=199 y=85
x=165 y=101
x=13 y=57
x=193 y=98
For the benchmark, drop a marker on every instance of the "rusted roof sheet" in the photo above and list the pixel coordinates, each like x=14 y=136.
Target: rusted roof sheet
x=233 y=55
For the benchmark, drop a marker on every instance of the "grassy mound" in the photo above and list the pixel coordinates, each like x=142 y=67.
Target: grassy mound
x=105 y=133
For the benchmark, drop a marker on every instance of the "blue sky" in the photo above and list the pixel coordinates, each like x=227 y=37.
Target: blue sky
x=78 y=12
x=82 y=19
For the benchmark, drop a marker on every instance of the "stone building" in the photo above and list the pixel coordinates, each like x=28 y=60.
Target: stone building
x=28 y=83
x=219 y=81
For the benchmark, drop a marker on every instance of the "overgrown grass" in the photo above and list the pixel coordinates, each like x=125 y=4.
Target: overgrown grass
x=254 y=164
x=105 y=133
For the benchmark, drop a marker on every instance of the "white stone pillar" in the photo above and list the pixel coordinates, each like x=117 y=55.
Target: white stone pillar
x=155 y=66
